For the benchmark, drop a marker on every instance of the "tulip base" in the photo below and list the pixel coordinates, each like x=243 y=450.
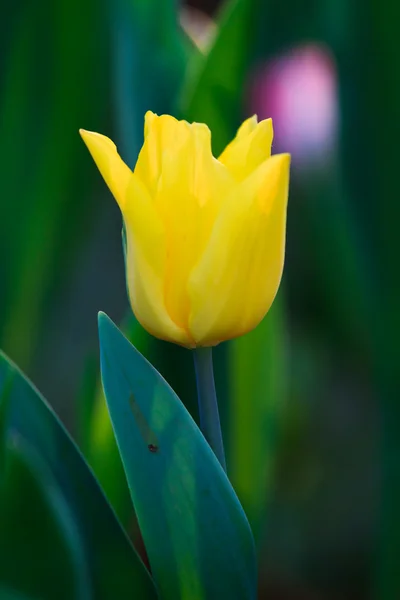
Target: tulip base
x=208 y=405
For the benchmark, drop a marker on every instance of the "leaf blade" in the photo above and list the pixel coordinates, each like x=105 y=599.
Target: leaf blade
x=196 y=534
x=116 y=569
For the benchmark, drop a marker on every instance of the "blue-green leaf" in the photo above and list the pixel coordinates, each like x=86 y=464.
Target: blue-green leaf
x=196 y=534
x=41 y=550
x=115 y=569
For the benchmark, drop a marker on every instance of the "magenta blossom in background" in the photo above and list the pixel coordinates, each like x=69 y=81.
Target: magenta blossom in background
x=298 y=90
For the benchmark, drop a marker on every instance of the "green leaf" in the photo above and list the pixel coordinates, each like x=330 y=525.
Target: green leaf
x=101 y=450
x=41 y=550
x=257 y=390
x=215 y=95
x=103 y=456
x=43 y=215
x=196 y=534
x=115 y=568
x=137 y=33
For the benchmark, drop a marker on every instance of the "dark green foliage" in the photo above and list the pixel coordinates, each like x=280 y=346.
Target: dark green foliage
x=101 y=548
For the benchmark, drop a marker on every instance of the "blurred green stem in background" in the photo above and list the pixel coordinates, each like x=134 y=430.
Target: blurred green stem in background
x=208 y=404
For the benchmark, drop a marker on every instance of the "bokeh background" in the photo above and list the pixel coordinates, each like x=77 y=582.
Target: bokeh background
x=310 y=400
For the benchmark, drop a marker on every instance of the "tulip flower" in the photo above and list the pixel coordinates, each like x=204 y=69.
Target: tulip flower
x=205 y=236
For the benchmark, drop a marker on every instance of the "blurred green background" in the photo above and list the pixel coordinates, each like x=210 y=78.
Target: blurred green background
x=310 y=400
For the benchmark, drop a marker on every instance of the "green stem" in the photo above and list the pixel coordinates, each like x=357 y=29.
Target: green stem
x=208 y=405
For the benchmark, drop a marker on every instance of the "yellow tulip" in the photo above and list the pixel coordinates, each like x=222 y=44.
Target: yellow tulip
x=205 y=236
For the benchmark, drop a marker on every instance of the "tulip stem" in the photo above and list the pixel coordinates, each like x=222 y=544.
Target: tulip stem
x=208 y=404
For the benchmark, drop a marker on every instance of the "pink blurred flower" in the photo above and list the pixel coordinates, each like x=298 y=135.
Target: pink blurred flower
x=299 y=91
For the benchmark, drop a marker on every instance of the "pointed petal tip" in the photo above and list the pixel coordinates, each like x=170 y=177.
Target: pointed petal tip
x=85 y=134
x=278 y=166
x=286 y=158
x=88 y=136
x=283 y=159
x=266 y=122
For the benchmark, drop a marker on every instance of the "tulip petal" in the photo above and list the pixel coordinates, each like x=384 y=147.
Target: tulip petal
x=249 y=149
x=113 y=169
x=162 y=133
x=246 y=128
x=235 y=282
x=190 y=189
x=146 y=264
